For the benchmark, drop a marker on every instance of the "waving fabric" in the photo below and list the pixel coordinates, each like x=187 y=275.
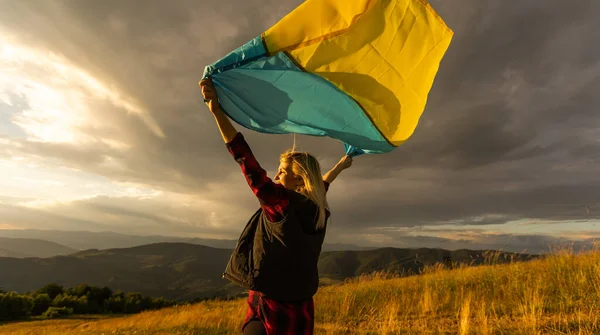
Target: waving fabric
x=358 y=71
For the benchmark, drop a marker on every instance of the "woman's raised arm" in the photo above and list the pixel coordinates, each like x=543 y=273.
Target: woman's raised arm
x=343 y=164
x=227 y=129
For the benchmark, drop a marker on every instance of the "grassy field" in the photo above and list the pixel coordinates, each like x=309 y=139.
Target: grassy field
x=559 y=294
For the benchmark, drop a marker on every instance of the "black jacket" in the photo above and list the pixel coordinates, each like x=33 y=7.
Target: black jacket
x=279 y=259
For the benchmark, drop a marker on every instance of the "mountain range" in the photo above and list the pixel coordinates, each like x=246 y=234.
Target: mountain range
x=27 y=247
x=84 y=240
x=186 y=271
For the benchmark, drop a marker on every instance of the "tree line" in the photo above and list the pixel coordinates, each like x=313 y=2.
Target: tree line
x=54 y=300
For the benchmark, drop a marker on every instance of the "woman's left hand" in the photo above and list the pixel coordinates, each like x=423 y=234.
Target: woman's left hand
x=345 y=162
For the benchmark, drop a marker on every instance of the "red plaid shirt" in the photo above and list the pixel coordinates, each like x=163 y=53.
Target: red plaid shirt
x=281 y=318
x=272 y=196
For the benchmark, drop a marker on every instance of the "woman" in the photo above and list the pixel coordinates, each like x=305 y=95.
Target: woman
x=277 y=253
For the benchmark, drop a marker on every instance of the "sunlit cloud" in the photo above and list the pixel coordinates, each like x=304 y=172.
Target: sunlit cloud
x=39 y=182
x=56 y=102
x=142 y=209
x=59 y=97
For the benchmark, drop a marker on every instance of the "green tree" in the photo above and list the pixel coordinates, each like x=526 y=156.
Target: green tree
x=97 y=297
x=56 y=312
x=79 y=305
x=14 y=306
x=133 y=302
x=80 y=290
x=116 y=304
x=41 y=303
x=52 y=290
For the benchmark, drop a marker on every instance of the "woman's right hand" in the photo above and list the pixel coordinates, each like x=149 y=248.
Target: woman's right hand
x=209 y=94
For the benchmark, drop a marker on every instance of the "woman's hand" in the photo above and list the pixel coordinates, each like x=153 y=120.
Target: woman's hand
x=345 y=162
x=342 y=165
x=210 y=94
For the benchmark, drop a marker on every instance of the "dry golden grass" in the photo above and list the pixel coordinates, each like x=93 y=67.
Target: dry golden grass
x=556 y=295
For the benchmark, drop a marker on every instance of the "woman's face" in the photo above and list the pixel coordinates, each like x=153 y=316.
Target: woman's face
x=286 y=177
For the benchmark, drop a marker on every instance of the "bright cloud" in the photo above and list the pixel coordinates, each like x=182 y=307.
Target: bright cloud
x=60 y=97
x=59 y=103
x=144 y=210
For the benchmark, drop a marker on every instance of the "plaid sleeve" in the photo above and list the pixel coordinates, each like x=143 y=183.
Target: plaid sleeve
x=273 y=197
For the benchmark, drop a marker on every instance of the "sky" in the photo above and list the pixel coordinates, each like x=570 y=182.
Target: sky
x=103 y=128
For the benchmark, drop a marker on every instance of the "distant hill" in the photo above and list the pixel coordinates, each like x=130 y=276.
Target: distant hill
x=172 y=270
x=26 y=247
x=183 y=271
x=346 y=264
x=10 y=253
x=83 y=240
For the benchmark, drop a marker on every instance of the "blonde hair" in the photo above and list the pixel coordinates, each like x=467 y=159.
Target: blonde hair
x=307 y=167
